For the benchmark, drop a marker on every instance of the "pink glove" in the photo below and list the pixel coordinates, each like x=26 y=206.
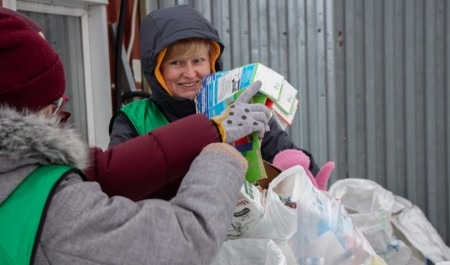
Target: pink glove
x=291 y=157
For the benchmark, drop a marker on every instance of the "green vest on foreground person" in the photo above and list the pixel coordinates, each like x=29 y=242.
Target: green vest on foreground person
x=19 y=229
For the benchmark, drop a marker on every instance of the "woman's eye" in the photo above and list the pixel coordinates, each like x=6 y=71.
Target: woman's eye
x=199 y=60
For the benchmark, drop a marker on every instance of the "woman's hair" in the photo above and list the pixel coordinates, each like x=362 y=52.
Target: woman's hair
x=187 y=48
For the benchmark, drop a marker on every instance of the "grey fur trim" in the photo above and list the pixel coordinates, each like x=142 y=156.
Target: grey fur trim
x=25 y=135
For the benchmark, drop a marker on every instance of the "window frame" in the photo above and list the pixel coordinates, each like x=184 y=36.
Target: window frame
x=95 y=58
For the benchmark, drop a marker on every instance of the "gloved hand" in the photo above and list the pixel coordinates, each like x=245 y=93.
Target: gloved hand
x=241 y=118
x=291 y=157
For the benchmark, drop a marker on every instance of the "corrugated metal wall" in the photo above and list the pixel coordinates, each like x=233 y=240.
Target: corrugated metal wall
x=374 y=84
x=393 y=105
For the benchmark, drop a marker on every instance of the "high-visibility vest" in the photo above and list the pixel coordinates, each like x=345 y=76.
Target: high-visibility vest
x=144 y=115
x=22 y=213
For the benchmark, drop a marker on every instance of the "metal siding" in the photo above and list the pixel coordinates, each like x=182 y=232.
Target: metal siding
x=352 y=54
x=446 y=142
x=420 y=104
x=370 y=99
x=309 y=117
x=373 y=80
x=239 y=32
x=320 y=105
x=255 y=30
x=262 y=45
x=420 y=89
x=410 y=98
x=430 y=107
x=272 y=34
x=389 y=90
x=399 y=111
x=441 y=114
x=331 y=93
x=401 y=58
x=378 y=162
x=297 y=73
x=340 y=46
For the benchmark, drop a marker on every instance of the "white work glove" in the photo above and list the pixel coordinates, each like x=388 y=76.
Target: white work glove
x=241 y=118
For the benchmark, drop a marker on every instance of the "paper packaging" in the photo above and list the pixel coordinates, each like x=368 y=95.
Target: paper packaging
x=221 y=87
x=287 y=98
x=272 y=80
x=249 y=207
x=285 y=119
x=240 y=78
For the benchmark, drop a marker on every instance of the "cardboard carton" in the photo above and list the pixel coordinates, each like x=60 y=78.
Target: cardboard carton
x=249 y=207
x=220 y=89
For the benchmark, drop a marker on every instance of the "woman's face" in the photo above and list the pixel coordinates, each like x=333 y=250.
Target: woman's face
x=183 y=76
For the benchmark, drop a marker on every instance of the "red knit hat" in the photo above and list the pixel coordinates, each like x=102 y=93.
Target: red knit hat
x=31 y=72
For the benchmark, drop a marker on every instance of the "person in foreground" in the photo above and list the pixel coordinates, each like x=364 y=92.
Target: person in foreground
x=50 y=215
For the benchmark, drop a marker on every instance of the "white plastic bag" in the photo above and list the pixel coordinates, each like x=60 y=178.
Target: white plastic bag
x=253 y=243
x=250 y=251
x=325 y=232
x=279 y=221
x=419 y=233
x=375 y=210
x=308 y=226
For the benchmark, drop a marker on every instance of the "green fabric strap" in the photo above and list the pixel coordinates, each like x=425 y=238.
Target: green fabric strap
x=144 y=115
x=21 y=214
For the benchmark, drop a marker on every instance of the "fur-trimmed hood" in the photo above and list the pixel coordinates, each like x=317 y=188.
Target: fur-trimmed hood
x=31 y=136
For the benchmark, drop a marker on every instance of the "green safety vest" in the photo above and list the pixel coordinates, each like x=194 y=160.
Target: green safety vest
x=22 y=212
x=144 y=115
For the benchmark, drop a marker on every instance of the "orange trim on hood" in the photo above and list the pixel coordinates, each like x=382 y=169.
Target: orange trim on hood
x=158 y=75
x=215 y=55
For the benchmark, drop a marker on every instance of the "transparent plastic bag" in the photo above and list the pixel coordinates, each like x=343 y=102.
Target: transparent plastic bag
x=325 y=233
x=309 y=226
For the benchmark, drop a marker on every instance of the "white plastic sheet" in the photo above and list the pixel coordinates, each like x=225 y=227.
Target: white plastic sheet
x=377 y=211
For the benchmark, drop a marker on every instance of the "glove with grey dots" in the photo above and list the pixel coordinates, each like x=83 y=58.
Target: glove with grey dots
x=241 y=118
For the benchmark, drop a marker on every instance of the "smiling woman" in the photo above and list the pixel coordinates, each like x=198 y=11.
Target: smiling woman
x=175 y=59
x=184 y=66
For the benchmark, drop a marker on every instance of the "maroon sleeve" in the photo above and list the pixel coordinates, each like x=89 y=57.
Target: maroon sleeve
x=152 y=165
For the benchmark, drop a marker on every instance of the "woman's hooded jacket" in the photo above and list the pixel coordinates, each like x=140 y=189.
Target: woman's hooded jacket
x=159 y=30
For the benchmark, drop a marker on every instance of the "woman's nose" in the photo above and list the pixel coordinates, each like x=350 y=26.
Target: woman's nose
x=189 y=70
